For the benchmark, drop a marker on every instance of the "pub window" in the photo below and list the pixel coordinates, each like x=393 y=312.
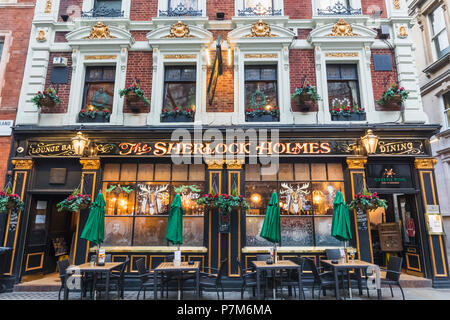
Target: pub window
x=306 y=195
x=261 y=92
x=439 y=34
x=98 y=94
x=446 y=98
x=138 y=198
x=179 y=94
x=343 y=86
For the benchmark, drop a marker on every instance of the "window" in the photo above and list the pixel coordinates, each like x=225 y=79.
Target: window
x=446 y=98
x=343 y=86
x=261 y=89
x=259 y=8
x=138 y=196
x=306 y=195
x=98 y=94
x=105 y=8
x=179 y=93
x=2 y=42
x=336 y=7
x=439 y=32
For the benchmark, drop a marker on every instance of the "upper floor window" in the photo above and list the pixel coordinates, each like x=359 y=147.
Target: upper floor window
x=336 y=7
x=259 y=8
x=439 y=34
x=98 y=94
x=446 y=98
x=343 y=92
x=2 y=42
x=181 y=8
x=179 y=94
x=105 y=8
x=261 y=93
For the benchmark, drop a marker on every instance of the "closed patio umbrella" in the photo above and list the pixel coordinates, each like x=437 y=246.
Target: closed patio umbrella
x=174 y=232
x=271 y=226
x=340 y=223
x=94 y=230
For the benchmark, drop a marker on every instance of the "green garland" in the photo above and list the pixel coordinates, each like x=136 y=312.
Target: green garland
x=391 y=91
x=136 y=89
x=310 y=90
x=253 y=97
x=224 y=202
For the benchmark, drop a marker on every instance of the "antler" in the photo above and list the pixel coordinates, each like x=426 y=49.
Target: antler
x=161 y=189
x=287 y=187
x=303 y=188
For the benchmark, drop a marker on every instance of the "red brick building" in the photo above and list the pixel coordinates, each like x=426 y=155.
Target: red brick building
x=307 y=83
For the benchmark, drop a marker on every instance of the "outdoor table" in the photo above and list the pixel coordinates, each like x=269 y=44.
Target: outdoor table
x=349 y=265
x=87 y=267
x=280 y=265
x=183 y=267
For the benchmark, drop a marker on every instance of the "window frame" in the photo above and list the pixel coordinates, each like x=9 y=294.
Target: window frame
x=341 y=80
x=2 y=46
x=260 y=67
x=166 y=82
x=446 y=109
x=434 y=36
x=86 y=81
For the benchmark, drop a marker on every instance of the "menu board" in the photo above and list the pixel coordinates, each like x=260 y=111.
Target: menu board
x=390 y=237
x=361 y=219
x=434 y=224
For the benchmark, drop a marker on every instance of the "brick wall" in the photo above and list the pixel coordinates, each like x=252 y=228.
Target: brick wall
x=63 y=89
x=139 y=35
x=60 y=37
x=139 y=66
x=224 y=95
x=301 y=64
x=303 y=33
x=369 y=6
x=143 y=10
x=381 y=80
x=298 y=9
x=72 y=8
x=225 y=6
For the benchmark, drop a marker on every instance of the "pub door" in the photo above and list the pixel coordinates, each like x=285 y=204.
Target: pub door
x=49 y=235
x=224 y=232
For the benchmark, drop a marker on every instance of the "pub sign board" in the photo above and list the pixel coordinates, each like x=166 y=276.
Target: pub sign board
x=388 y=175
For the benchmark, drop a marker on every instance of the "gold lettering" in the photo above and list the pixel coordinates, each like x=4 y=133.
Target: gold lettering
x=160 y=149
x=325 y=146
x=314 y=147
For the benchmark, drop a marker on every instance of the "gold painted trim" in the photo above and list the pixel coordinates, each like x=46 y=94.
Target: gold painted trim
x=235 y=164
x=239 y=166
x=396 y=4
x=266 y=250
x=341 y=54
x=356 y=163
x=155 y=256
x=179 y=30
x=100 y=57
x=48 y=6
x=41 y=263
x=214 y=164
x=261 y=56
x=90 y=164
x=132 y=260
x=407 y=254
x=99 y=31
x=260 y=29
x=180 y=56
x=197 y=256
x=151 y=249
x=424 y=163
x=342 y=29
x=22 y=164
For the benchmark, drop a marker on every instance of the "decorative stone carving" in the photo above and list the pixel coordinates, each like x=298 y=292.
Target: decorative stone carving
x=179 y=30
x=48 y=6
x=342 y=29
x=402 y=32
x=41 y=36
x=425 y=163
x=397 y=4
x=260 y=29
x=214 y=163
x=99 y=31
x=234 y=164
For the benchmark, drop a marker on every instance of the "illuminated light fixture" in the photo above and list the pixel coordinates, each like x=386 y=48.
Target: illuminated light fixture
x=208 y=58
x=230 y=58
x=317 y=196
x=79 y=143
x=256 y=197
x=370 y=142
x=268 y=107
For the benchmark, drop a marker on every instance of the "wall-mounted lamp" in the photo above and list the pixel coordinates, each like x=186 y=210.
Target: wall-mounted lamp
x=370 y=142
x=208 y=58
x=79 y=144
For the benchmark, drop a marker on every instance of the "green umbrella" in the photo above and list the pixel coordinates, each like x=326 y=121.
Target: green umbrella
x=174 y=231
x=340 y=224
x=271 y=227
x=94 y=230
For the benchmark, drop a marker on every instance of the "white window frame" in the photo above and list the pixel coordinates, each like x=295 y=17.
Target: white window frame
x=277 y=5
x=6 y=36
x=446 y=112
x=433 y=36
x=163 y=5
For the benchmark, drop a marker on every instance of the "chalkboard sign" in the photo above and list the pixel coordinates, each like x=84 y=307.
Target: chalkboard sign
x=361 y=219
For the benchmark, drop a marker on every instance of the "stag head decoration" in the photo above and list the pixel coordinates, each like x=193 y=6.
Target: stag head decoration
x=295 y=200
x=152 y=198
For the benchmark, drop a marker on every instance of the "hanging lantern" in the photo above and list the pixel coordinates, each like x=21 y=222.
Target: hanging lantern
x=79 y=143
x=370 y=142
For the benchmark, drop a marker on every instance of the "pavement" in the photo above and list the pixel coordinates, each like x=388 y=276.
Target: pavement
x=410 y=294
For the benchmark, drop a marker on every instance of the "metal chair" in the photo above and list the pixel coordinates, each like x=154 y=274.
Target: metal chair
x=289 y=278
x=322 y=279
x=211 y=280
x=393 y=273
x=147 y=278
x=248 y=279
x=62 y=269
x=116 y=281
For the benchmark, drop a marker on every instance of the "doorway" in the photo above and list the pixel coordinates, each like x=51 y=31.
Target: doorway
x=49 y=236
x=402 y=210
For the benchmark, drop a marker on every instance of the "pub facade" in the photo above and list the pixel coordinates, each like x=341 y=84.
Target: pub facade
x=220 y=115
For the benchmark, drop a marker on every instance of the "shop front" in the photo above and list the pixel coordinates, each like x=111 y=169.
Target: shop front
x=139 y=172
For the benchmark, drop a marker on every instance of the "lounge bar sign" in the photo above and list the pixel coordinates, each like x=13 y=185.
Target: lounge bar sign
x=168 y=148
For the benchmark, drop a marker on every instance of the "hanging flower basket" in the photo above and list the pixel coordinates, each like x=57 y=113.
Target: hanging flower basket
x=75 y=202
x=393 y=95
x=134 y=94
x=306 y=93
x=367 y=201
x=224 y=202
x=10 y=201
x=48 y=98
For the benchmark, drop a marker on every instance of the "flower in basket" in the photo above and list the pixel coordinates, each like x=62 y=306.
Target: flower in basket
x=46 y=98
x=359 y=109
x=394 y=94
x=347 y=111
x=134 y=93
x=224 y=202
x=260 y=111
x=336 y=111
x=367 y=201
x=307 y=92
x=9 y=200
x=76 y=201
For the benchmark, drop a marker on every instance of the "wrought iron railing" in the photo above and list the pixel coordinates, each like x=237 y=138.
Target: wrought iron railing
x=339 y=9
x=180 y=10
x=259 y=10
x=102 y=12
